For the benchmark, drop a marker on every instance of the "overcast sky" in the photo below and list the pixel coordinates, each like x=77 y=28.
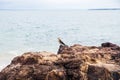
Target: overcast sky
x=58 y=4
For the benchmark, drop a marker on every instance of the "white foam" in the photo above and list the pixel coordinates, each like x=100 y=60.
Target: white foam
x=3 y=66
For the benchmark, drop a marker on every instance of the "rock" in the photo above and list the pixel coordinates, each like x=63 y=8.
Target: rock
x=75 y=62
x=65 y=50
x=2 y=76
x=98 y=73
x=108 y=44
x=113 y=46
x=56 y=75
x=116 y=75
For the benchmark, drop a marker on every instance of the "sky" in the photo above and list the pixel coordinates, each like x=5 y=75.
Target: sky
x=58 y=4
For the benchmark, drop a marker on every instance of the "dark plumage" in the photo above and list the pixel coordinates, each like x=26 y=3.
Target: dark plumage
x=61 y=42
x=63 y=47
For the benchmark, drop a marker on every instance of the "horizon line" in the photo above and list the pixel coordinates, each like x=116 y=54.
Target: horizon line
x=67 y=9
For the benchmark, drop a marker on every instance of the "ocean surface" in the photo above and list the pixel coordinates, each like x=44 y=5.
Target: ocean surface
x=23 y=31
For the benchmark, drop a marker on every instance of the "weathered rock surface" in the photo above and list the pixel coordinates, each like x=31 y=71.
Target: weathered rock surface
x=76 y=62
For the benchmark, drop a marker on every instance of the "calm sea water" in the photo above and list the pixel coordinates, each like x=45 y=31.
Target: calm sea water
x=23 y=31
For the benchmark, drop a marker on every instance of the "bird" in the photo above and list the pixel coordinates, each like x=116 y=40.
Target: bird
x=62 y=47
x=61 y=42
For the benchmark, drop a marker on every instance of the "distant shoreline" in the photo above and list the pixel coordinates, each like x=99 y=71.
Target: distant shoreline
x=106 y=9
x=58 y=9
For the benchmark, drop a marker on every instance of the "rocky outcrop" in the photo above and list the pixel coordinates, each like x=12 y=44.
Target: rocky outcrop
x=76 y=62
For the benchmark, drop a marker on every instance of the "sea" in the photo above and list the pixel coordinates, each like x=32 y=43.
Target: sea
x=37 y=30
